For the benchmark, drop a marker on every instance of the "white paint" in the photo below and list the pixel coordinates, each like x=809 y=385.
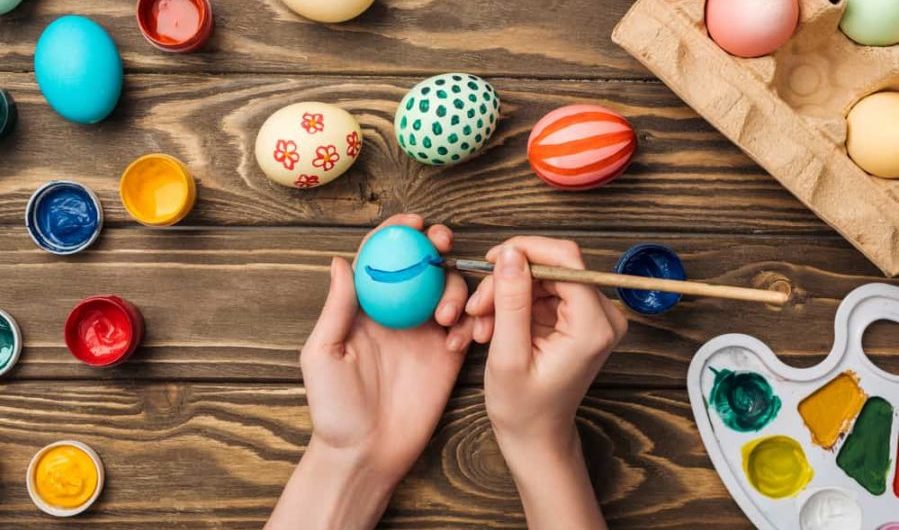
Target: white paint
x=830 y=510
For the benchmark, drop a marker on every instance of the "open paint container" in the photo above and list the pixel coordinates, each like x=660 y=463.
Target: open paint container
x=104 y=331
x=8 y=113
x=158 y=190
x=10 y=342
x=179 y=26
x=64 y=217
x=652 y=261
x=65 y=478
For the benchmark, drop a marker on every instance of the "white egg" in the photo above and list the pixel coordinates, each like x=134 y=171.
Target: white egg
x=329 y=10
x=306 y=145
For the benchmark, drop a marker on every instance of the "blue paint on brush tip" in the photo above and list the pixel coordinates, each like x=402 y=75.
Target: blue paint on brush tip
x=406 y=274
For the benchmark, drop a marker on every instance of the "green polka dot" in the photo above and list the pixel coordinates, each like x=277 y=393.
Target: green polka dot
x=412 y=140
x=473 y=98
x=402 y=141
x=459 y=104
x=423 y=156
x=455 y=120
x=455 y=157
x=437 y=161
x=487 y=131
x=457 y=78
x=472 y=85
x=486 y=96
x=489 y=87
x=483 y=108
x=456 y=89
x=480 y=123
x=424 y=105
x=465 y=145
x=466 y=130
x=440 y=82
x=410 y=103
x=473 y=78
x=473 y=149
x=441 y=111
x=492 y=119
x=404 y=122
x=441 y=94
x=452 y=138
x=416 y=125
x=478 y=138
x=443 y=150
x=436 y=128
x=495 y=104
x=425 y=91
x=426 y=143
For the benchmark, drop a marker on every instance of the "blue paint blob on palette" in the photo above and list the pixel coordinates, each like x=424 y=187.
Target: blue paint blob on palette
x=399 y=278
x=64 y=217
x=652 y=261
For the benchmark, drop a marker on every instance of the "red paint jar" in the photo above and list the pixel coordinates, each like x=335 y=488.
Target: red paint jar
x=104 y=330
x=180 y=26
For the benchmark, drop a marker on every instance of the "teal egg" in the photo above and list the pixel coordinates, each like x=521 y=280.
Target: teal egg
x=8 y=5
x=78 y=69
x=399 y=277
x=872 y=22
x=447 y=118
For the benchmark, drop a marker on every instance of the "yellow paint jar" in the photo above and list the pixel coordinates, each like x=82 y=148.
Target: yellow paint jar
x=158 y=190
x=65 y=478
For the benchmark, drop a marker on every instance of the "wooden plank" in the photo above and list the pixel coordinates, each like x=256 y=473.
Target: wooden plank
x=237 y=304
x=686 y=176
x=216 y=456
x=569 y=39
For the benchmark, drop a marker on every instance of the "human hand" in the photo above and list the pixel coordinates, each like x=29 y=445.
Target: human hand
x=375 y=396
x=548 y=342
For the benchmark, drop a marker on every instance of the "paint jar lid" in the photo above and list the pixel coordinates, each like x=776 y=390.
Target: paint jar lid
x=8 y=113
x=180 y=26
x=654 y=261
x=57 y=511
x=64 y=217
x=157 y=190
x=104 y=331
x=10 y=342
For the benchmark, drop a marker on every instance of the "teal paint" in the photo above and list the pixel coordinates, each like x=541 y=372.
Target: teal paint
x=8 y=342
x=744 y=401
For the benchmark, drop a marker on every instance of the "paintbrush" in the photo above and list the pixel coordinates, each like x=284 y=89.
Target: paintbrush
x=609 y=279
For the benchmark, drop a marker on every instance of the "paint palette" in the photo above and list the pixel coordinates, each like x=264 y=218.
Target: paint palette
x=808 y=449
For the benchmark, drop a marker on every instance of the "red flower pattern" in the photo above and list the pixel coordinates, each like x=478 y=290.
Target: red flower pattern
x=353 y=144
x=286 y=153
x=307 y=181
x=326 y=157
x=313 y=123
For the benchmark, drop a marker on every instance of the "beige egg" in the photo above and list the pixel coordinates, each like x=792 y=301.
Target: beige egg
x=873 y=141
x=329 y=10
x=306 y=145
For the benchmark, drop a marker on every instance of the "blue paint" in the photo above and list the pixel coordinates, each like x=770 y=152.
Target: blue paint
x=404 y=275
x=64 y=217
x=653 y=261
x=78 y=69
x=407 y=259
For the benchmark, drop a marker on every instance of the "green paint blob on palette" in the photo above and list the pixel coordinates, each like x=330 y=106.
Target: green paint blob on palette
x=805 y=449
x=10 y=342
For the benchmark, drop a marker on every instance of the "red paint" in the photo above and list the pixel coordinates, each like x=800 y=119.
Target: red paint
x=104 y=330
x=175 y=25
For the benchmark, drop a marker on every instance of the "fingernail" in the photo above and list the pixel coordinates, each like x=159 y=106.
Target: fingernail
x=448 y=312
x=511 y=263
x=454 y=342
x=473 y=301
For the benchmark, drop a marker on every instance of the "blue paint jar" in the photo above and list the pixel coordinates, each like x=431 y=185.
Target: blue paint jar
x=652 y=261
x=64 y=217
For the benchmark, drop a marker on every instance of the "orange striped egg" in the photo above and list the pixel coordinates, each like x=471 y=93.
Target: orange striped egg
x=580 y=147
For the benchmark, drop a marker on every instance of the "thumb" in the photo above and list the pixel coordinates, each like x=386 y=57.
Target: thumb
x=513 y=288
x=340 y=308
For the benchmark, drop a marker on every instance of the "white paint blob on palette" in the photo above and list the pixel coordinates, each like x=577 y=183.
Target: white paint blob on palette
x=807 y=449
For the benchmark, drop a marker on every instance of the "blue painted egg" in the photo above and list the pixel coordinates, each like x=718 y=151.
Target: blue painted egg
x=399 y=277
x=78 y=69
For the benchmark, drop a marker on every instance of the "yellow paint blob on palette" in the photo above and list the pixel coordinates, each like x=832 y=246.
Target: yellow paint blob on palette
x=830 y=411
x=805 y=449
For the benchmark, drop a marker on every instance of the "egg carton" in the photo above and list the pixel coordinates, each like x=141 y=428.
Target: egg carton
x=787 y=111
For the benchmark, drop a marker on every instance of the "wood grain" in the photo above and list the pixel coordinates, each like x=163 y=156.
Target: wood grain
x=217 y=455
x=531 y=38
x=238 y=304
x=686 y=177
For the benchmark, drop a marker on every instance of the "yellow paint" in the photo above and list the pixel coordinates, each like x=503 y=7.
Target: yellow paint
x=776 y=466
x=157 y=190
x=65 y=477
x=830 y=411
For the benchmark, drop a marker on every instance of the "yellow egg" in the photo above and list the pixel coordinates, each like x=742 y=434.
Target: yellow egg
x=873 y=140
x=329 y=10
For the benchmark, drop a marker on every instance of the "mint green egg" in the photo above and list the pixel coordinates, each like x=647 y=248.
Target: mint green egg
x=447 y=118
x=8 y=5
x=872 y=22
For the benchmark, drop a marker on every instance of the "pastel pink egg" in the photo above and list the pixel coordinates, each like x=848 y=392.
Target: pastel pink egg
x=751 y=28
x=581 y=146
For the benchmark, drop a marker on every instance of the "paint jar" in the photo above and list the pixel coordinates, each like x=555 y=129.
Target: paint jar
x=8 y=113
x=652 y=261
x=65 y=478
x=64 y=217
x=158 y=190
x=104 y=331
x=179 y=26
x=10 y=342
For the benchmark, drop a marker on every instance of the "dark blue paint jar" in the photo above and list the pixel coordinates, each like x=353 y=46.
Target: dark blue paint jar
x=8 y=113
x=653 y=261
x=64 y=217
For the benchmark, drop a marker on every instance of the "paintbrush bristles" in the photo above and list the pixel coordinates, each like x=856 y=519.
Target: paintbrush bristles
x=608 y=279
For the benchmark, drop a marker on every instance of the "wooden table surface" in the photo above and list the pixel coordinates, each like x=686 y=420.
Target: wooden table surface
x=202 y=428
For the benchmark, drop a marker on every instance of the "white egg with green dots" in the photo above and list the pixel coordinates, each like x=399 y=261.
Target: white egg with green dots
x=447 y=118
